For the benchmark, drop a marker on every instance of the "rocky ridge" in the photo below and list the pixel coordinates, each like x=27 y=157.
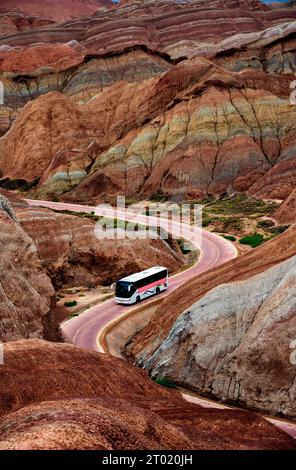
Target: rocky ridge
x=55 y=10
x=75 y=257
x=286 y=213
x=223 y=345
x=27 y=298
x=95 y=401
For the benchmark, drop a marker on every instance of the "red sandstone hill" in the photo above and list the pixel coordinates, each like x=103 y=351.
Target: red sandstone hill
x=60 y=397
x=286 y=213
x=12 y=22
x=219 y=121
x=55 y=10
x=27 y=298
x=73 y=256
x=206 y=130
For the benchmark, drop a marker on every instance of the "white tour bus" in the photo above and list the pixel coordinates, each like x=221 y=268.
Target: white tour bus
x=132 y=289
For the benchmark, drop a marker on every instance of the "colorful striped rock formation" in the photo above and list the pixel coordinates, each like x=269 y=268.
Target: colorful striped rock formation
x=152 y=98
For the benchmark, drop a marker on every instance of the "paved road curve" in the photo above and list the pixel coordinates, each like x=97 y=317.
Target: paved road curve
x=84 y=330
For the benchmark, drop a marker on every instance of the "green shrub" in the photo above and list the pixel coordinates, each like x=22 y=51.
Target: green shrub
x=230 y=237
x=253 y=239
x=181 y=243
x=265 y=223
x=158 y=197
x=231 y=223
x=206 y=221
x=278 y=229
x=241 y=204
x=70 y=303
x=21 y=184
x=165 y=382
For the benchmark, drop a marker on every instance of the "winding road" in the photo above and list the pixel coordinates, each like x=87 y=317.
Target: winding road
x=214 y=250
x=85 y=329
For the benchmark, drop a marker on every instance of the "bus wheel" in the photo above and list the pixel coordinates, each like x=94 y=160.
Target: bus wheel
x=138 y=299
x=157 y=290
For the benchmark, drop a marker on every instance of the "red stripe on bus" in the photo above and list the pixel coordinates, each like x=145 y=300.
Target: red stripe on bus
x=153 y=284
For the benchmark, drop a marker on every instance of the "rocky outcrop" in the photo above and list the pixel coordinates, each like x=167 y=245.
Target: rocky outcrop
x=26 y=293
x=6 y=207
x=286 y=213
x=88 y=425
x=197 y=129
x=32 y=60
x=234 y=343
x=160 y=25
x=55 y=10
x=95 y=401
x=73 y=256
x=227 y=348
x=248 y=265
x=13 y=22
x=279 y=181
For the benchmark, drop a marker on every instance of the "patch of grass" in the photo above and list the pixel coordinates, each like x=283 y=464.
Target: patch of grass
x=253 y=240
x=229 y=237
x=159 y=197
x=231 y=224
x=265 y=224
x=82 y=215
x=241 y=204
x=21 y=184
x=165 y=382
x=181 y=242
x=278 y=229
x=129 y=201
x=206 y=220
x=70 y=303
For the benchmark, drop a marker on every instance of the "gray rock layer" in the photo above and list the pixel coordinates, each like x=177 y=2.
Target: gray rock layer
x=236 y=343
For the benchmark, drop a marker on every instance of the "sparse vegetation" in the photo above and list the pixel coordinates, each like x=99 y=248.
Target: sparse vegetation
x=159 y=197
x=265 y=224
x=21 y=184
x=253 y=239
x=278 y=229
x=230 y=237
x=70 y=303
x=241 y=204
x=240 y=216
x=206 y=220
x=165 y=382
x=181 y=243
x=230 y=224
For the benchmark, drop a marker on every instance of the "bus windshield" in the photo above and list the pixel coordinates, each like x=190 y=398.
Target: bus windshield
x=124 y=289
